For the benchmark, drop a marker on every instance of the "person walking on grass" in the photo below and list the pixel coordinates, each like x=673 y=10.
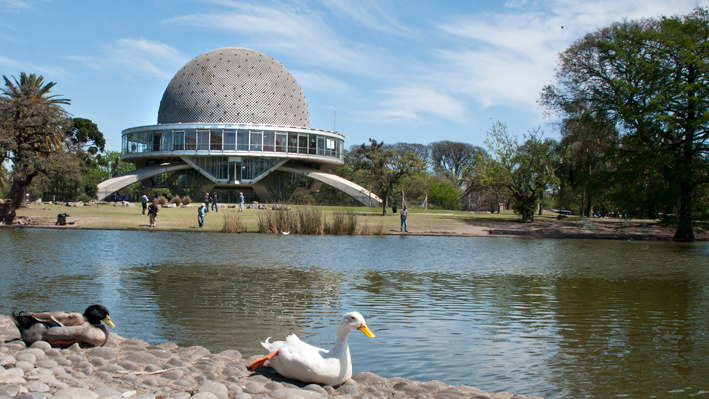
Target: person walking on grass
x=241 y=202
x=404 y=215
x=206 y=202
x=215 y=205
x=200 y=215
x=144 y=201
x=153 y=212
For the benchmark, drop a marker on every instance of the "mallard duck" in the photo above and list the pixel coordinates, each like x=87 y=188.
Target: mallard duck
x=65 y=328
x=297 y=360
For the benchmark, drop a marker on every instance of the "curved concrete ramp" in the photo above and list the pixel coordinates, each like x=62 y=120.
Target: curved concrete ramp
x=355 y=191
x=114 y=184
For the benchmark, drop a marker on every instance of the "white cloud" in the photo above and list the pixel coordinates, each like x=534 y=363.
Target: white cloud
x=415 y=104
x=375 y=15
x=137 y=56
x=299 y=32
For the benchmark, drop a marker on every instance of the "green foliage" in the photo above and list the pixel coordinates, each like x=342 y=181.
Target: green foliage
x=380 y=167
x=445 y=195
x=522 y=171
x=85 y=133
x=647 y=77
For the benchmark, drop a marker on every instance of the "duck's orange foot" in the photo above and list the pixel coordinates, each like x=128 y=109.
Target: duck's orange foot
x=259 y=362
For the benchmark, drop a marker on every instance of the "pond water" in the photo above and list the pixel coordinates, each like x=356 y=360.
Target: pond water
x=551 y=318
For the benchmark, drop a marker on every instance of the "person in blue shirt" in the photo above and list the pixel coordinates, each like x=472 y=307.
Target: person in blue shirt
x=241 y=202
x=404 y=215
x=200 y=215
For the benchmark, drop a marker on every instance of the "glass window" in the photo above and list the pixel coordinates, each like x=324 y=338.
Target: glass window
x=256 y=140
x=242 y=140
x=178 y=137
x=190 y=139
x=292 y=142
x=321 y=145
x=312 y=143
x=215 y=140
x=281 y=139
x=269 y=141
x=203 y=140
x=157 y=136
x=229 y=140
x=166 y=141
x=302 y=143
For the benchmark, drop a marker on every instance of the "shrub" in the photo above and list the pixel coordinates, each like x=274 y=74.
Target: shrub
x=161 y=200
x=186 y=200
x=311 y=221
x=276 y=221
x=233 y=223
x=176 y=200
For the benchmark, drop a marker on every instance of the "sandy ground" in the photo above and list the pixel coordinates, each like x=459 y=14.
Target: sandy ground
x=548 y=228
x=541 y=228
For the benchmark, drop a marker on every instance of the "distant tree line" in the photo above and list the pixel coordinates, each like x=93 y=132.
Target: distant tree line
x=632 y=100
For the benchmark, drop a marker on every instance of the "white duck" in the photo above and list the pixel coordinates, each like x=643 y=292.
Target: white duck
x=300 y=361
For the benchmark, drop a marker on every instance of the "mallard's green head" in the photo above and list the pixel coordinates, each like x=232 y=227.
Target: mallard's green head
x=96 y=314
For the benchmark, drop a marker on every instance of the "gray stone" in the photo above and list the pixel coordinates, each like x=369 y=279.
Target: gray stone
x=7 y=360
x=36 y=386
x=171 y=346
x=217 y=388
x=172 y=374
x=75 y=393
x=195 y=352
x=146 y=395
x=160 y=353
x=24 y=365
x=76 y=357
x=98 y=362
x=128 y=365
x=152 y=368
x=11 y=379
x=47 y=363
x=150 y=381
x=176 y=362
x=273 y=385
x=141 y=358
x=129 y=377
x=108 y=393
x=292 y=393
x=316 y=388
x=347 y=390
x=234 y=371
x=367 y=378
x=112 y=368
x=181 y=395
x=52 y=352
x=43 y=345
x=232 y=354
x=38 y=353
x=38 y=395
x=242 y=395
x=205 y=395
x=253 y=387
x=14 y=389
x=104 y=353
x=27 y=358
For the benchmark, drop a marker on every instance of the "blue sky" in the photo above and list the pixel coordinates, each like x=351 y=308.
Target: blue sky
x=398 y=71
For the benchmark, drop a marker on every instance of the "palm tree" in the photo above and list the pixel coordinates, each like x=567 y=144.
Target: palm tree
x=32 y=129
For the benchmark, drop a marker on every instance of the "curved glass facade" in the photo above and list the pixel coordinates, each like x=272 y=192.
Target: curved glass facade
x=256 y=140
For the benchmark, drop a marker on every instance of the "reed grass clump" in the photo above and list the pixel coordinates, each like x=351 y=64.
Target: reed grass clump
x=233 y=223
x=343 y=223
x=276 y=221
x=186 y=200
x=176 y=200
x=311 y=221
x=161 y=200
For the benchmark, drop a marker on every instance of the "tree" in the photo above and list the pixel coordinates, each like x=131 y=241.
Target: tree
x=85 y=135
x=454 y=158
x=521 y=171
x=649 y=77
x=32 y=132
x=381 y=166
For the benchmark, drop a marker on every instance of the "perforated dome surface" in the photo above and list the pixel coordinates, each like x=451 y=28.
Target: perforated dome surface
x=234 y=85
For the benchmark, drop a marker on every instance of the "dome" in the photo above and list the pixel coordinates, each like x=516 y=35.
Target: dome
x=234 y=85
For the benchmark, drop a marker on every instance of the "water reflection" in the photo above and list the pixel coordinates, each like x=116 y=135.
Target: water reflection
x=565 y=318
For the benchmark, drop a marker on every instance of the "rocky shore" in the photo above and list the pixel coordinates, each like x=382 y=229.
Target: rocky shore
x=131 y=368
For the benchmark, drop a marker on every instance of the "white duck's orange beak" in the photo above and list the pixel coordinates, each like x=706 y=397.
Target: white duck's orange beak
x=363 y=327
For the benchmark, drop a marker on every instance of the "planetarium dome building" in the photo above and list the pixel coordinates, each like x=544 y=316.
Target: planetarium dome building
x=234 y=120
